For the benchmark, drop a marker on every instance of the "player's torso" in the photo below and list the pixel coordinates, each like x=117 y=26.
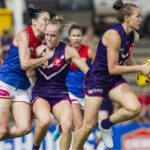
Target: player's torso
x=99 y=70
x=56 y=72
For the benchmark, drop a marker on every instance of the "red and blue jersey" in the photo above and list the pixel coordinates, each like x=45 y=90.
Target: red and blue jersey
x=11 y=71
x=75 y=76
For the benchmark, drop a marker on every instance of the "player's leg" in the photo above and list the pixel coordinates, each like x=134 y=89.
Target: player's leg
x=130 y=108
x=21 y=112
x=22 y=116
x=41 y=110
x=77 y=112
x=5 y=103
x=130 y=105
x=77 y=118
x=4 y=116
x=63 y=113
x=77 y=121
x=106 y=109
x=92 y=105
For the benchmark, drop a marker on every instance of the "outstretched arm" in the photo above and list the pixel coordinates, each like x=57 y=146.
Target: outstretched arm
x=72 y=54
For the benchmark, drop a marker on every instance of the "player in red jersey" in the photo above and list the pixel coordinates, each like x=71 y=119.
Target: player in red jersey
x=14 y=84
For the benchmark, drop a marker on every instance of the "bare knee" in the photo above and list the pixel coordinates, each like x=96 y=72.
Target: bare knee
x=3 y=132
x=135 y=110
x=24 y=129
x=78 y=125
x=88 y=126
x=44 y=123
x=66 y=126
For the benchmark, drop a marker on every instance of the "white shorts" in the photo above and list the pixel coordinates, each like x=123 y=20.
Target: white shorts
x=9 y=92
x=76 y=100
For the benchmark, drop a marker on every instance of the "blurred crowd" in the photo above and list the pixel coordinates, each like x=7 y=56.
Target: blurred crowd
x=5 y=41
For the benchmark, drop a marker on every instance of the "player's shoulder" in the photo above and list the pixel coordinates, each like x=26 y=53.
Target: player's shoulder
x=111 y=34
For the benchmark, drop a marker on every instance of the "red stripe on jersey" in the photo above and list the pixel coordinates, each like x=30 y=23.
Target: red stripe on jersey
x=33 y=41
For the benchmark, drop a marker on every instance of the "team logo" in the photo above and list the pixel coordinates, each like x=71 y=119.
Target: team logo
x=57 y=62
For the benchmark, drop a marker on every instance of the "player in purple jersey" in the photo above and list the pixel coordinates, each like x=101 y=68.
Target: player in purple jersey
x=74 y=80
x=14 y=84
x=50 y=93
x=105 y=76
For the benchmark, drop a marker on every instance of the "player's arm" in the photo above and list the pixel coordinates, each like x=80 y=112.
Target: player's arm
x=72 y=54
x=31 y=73
x=112 y=41
x=40 y=51
x=24 y=53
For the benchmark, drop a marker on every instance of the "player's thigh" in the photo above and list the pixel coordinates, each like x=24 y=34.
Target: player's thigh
x=77 y=115
x=63 y=111
x=41 y=109
x=124 y=95
x=4 y=112
x=21 y=113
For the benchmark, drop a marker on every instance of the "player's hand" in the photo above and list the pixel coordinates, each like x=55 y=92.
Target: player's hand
x=145 y=69
x=44 y=65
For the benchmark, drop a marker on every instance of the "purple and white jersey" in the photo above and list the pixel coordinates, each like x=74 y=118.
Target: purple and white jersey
x=98 y=75
x=52 y=79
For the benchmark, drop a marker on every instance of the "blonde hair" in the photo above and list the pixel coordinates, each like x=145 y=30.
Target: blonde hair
x=57 y=20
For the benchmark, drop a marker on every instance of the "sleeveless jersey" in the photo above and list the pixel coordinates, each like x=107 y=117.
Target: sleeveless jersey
x=52 y=79
x=98 y=74
x=75 y=76
x=11 y=71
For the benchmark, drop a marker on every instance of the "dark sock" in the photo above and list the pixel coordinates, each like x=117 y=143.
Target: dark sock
x=106 y=123
x=35 y=147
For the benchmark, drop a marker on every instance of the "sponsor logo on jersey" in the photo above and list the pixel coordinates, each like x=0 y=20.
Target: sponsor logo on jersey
x=92 y=91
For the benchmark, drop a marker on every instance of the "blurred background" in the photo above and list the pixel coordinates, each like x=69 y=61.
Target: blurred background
x=95 y=16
